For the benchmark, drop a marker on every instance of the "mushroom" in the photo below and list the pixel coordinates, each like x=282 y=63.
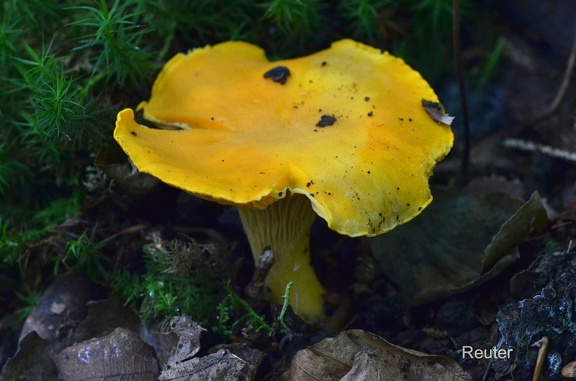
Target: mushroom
x=341 y=133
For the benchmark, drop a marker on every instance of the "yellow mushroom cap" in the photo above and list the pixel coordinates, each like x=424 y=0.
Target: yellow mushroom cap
x=347 y=129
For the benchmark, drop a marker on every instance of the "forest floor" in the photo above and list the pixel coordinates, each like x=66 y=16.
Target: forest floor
x=508 y=317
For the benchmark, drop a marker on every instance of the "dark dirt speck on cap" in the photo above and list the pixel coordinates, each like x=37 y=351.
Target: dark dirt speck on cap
x=326 y=120
x=279 y=74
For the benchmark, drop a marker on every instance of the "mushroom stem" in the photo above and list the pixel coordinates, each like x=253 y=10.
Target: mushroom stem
x=284 y=227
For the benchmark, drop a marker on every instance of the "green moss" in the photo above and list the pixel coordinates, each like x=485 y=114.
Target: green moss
x=295 y=16
x=169 y=286
x=234 y=314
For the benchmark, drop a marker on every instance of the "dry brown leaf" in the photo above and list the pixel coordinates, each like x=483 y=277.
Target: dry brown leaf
x=234 y=363
x=457 y=243
x=188 y=332
x=357 y=355
x=61 y=307
x=120 y=356
x=220 y=366
x=180 y=342
x=32 y=361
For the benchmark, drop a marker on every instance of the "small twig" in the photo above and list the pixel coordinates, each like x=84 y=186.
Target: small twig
x=535 y=147
x=541 y=358
x=457 y=47
x=563 y=87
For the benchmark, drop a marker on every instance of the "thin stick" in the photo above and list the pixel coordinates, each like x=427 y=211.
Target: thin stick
x=457 y=47
x=525 y=145
x=541 y=358
x=563 y=86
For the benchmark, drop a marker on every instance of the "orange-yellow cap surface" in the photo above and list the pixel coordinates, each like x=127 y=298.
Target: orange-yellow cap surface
x=346 y=129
